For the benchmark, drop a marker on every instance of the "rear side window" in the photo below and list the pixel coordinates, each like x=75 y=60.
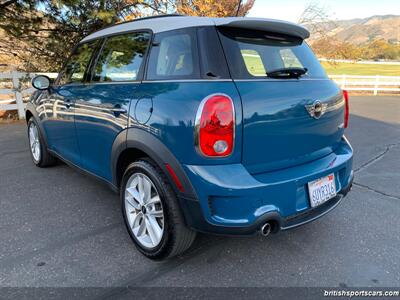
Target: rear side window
x=174 y=56
x=252 y=54
x=77 y=64
x=121 y=57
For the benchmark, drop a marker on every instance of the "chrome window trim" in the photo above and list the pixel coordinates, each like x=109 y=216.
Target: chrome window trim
x=187 y=80
x=143 y=81
x=97 y=83
x=114 y=82
x=282 y=80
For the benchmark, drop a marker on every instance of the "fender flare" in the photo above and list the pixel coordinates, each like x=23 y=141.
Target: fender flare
x=140 y=139
x=31 y=108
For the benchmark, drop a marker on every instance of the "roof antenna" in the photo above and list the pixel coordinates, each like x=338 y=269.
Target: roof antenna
x=239 y=5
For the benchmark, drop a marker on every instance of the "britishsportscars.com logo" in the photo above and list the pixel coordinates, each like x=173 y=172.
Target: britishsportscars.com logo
x=361 y=293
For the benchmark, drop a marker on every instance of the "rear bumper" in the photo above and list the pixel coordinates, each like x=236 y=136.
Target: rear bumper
x=230 y=200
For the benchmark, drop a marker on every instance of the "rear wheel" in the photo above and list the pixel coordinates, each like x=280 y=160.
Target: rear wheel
x=151 y=212
x=39 y=153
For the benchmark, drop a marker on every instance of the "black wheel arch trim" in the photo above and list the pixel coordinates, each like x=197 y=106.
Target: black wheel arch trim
x=137 y=138
x=31 y=108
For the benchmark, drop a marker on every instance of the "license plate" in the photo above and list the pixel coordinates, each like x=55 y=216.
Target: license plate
x=321 y=190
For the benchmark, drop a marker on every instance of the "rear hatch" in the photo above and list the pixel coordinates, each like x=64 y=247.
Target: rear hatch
x=292 y=113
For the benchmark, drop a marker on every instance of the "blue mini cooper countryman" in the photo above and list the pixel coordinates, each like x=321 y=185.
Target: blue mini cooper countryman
x=226 y=126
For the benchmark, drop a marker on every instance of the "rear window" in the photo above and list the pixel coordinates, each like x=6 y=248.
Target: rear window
x=252 y=54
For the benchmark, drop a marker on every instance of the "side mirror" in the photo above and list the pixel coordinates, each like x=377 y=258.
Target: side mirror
x=41 y=82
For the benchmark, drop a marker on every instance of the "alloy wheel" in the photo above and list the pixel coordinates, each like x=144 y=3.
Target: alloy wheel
x=144 y=210
x=34 y=142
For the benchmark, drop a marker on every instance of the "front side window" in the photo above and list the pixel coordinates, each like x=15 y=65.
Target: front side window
x=75 y=68
x=121 y=57
x=174 y=55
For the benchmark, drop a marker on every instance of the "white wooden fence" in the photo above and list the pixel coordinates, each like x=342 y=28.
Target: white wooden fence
x=18 y=93
x=374 y=84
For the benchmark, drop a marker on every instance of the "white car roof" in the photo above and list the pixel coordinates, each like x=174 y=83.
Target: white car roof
x=166 y=23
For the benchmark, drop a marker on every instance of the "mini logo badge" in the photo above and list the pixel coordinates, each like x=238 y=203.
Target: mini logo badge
x=317 y=109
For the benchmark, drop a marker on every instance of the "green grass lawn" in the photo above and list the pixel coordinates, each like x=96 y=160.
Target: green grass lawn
x=361 y=69
x=253 y=63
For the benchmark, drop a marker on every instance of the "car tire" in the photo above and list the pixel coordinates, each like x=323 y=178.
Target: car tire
x=41 y=157
x=168 y=236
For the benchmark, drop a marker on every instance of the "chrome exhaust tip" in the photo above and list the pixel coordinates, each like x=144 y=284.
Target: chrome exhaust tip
x=265 y=229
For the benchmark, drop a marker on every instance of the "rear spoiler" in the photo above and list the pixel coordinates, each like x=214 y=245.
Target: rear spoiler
x=270 y=25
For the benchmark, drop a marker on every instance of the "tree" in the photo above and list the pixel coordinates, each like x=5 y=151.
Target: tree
x=331 y=48
x=214 y=8
x=327 y=44
x=41 y=33
x=317 y=18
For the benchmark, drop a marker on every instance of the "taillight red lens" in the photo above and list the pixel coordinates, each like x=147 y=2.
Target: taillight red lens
x=216 y=126
x=346 y=109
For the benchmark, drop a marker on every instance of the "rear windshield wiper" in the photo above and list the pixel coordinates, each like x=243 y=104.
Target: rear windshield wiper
x=287 y=73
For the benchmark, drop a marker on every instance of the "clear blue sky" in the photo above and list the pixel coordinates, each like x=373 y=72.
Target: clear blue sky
x=290 y=10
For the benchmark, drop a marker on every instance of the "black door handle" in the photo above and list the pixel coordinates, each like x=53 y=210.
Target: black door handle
x=119 y=110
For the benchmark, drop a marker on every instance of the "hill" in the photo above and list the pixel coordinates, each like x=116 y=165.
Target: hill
x=359 y=31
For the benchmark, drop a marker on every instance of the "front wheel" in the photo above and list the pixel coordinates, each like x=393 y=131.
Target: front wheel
x=151 y=212
x=39 y=153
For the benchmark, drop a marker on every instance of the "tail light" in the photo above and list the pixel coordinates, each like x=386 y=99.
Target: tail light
x=346 y=108
x=215 y=126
